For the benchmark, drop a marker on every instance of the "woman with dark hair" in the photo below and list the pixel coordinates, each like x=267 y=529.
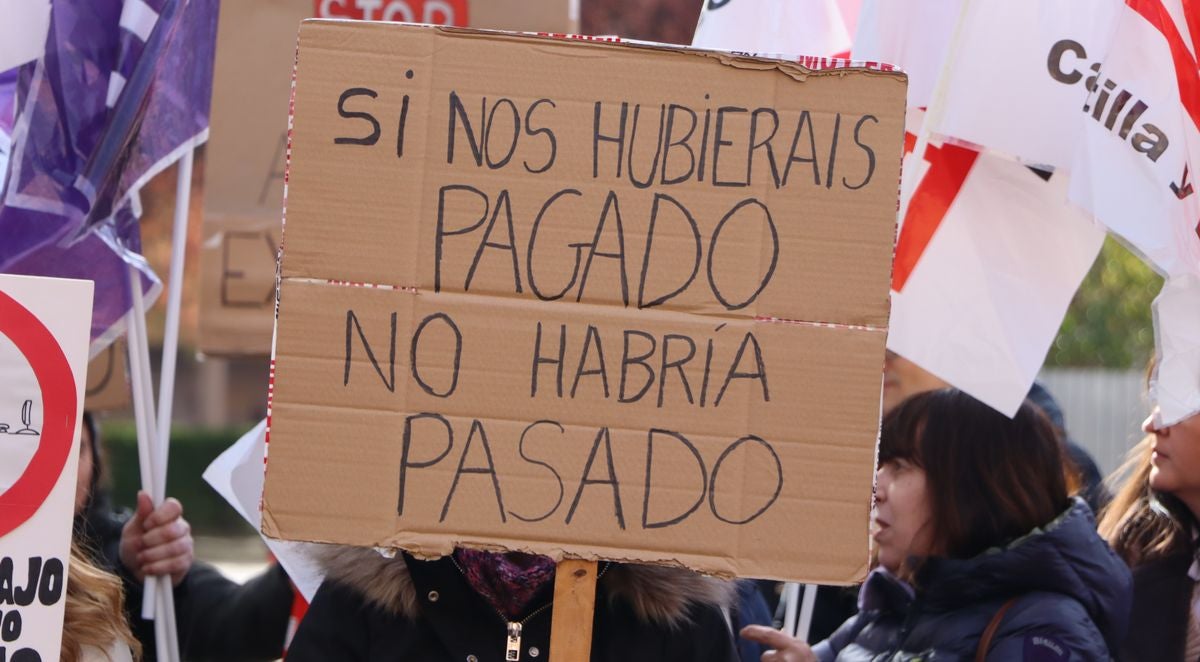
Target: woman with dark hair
x=982 y=553
x=1152 y=524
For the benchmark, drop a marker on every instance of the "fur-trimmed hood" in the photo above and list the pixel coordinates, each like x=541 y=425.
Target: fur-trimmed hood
x=658 y=595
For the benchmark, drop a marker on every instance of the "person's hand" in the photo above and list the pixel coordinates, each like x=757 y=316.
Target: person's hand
x=157 y=541
x=786 y=649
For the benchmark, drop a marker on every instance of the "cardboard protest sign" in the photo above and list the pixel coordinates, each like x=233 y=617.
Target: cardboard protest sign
x=243 y=174
x=44 y=336
x=246 y=151
x=237 y=285
x=582 y=299
x=107 y=381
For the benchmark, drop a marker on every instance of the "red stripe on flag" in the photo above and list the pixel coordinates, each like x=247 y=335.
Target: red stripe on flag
x=949 y=166
x=1186 y=73
x=1191 y=15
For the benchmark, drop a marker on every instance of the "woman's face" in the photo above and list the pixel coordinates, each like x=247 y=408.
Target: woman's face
x=902 y=514
x=1175 y=464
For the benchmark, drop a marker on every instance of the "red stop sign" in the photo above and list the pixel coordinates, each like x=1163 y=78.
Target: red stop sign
x=438 y=12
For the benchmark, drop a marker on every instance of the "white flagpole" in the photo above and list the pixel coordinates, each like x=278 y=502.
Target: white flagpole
x=791 y=598
x=170 y=350
x=143 y=415
x=807 y=604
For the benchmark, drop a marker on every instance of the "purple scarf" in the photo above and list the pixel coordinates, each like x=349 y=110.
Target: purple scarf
x=507 y=581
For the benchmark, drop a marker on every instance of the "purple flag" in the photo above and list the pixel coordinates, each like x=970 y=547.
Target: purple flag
x=122 y=92
x=8 y=89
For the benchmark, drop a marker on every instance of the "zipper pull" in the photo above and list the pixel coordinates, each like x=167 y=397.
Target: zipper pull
x=512 y=651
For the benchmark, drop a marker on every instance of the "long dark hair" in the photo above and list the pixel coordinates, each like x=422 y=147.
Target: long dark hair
x=97 y=496
x=95 y=524
x=989 y=479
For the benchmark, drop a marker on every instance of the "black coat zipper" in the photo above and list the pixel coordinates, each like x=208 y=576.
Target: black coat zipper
x=513 y=629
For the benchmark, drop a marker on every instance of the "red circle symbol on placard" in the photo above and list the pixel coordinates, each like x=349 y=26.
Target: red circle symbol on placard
x=57 y=384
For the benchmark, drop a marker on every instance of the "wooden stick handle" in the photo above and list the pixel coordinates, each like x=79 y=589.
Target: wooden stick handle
x=574 y=607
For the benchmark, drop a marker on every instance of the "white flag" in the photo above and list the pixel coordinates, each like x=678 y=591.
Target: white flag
x=988 y=260
x=990 y=253
x=913 y=35
x=1140 y=145
x=1018 y=82
x=1107 y=92
x=792 y=27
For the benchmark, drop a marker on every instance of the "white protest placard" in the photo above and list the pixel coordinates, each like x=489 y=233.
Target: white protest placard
x=44 y=335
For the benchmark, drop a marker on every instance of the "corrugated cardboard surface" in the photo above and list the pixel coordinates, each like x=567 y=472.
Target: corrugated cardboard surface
x=446 y=388
x=243 y=174
x=245 y=155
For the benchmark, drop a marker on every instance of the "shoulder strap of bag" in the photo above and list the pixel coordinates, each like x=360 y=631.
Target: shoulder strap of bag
x=985 y=642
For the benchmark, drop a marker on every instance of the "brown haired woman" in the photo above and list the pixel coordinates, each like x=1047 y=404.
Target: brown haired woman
x=94 y=627
x=1152 y=524
x=982 y=553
